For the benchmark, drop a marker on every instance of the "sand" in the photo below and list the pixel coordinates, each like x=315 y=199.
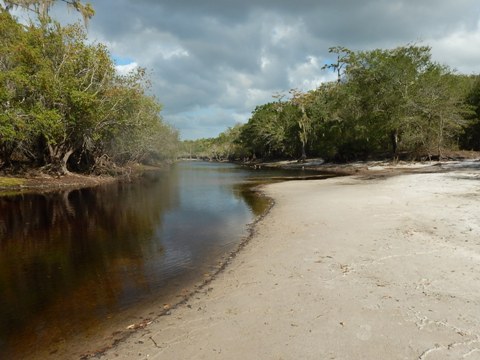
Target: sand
x=344 y=268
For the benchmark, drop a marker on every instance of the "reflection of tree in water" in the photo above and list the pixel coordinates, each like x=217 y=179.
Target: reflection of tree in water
x=67 y=254
x=256 y=203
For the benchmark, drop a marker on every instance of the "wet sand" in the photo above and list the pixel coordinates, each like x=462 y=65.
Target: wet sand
x=343 y=268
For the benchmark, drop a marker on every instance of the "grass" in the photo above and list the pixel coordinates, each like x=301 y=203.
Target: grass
x=11 y=182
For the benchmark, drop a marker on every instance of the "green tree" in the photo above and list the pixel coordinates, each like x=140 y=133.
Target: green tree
x=385 y=102
x=403 y=98
x=470 y=138
x=326 y=120
x=271 y=130
x=13 y=83
x=62 y=99
x=344 y=56
x=70 y=82
x=302 y=101
x=42 y=7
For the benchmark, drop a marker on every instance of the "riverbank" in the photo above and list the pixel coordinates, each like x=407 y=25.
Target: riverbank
x=345 y=268
x=42 y=182
x=36 y=181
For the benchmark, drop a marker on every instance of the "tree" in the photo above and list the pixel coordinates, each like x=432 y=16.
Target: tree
x=344 y=56
x=302 y=101
x=69 y=83
x=385 y=102
x=13 y=121
x=438 y=112
x=326 y=119
x=399 y=94
x=42 y=7
x=62 y=100
x=271 y=130
x=470 y=138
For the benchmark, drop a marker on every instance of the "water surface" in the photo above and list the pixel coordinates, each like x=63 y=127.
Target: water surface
x=71 y=260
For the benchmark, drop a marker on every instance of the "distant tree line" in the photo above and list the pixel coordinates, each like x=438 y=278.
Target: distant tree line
x=384 y=103
x=63 y=105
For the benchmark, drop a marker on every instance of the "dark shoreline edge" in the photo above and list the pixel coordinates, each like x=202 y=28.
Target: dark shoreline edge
x=44 y=183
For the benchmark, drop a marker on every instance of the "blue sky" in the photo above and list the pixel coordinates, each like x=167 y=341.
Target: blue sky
x=212 y=62
x=119 y=60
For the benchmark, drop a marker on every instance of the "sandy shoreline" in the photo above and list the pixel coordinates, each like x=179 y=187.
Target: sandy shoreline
x=344 y=268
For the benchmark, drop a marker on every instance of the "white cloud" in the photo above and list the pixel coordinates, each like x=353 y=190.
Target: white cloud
x=212 y=62
x=264 y=62
x=165 y=45
x=125 y=69
x=173 y=53
x=281 y=32
x=460 y=50
x=241 y=118
x=258 y=96
x=206 y=122
x=309 y=74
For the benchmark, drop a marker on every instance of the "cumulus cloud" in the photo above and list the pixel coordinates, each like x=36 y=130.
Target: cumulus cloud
x=126 y=68
x=212 y=62
x=460 y=50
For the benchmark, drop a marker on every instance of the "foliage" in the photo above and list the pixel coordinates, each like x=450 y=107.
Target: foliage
x=403 y=98
x=42 y=7
x=64 y=107
x=384 y=103
x=222 y=148
x=470 y=138
x=271 y=131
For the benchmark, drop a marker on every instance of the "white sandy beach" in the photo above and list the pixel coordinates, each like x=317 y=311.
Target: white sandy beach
x=343 y=268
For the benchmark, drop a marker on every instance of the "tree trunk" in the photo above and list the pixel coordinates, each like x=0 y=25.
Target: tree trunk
x=58 y=158
x=64 y=161
x=304 y=153
x=394 y=138
x=440 y=138
x=6 y=152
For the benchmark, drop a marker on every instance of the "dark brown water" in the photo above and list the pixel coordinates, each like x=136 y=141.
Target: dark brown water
x=71 y=260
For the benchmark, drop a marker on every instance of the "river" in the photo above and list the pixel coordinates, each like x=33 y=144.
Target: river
x=76 y=261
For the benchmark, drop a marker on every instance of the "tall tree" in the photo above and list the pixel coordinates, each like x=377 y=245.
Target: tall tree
x=61 y=97
x=42 y=7
x=13 y=121
x=470 y=138
x=302 y=101
x=343 y=57
x=271 y=131
x=399 y=93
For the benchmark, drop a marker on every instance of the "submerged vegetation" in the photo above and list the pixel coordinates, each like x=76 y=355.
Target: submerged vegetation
x=63 y=105
x=394 y=103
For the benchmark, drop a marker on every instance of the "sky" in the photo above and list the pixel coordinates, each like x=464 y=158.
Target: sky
x=212 y=61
